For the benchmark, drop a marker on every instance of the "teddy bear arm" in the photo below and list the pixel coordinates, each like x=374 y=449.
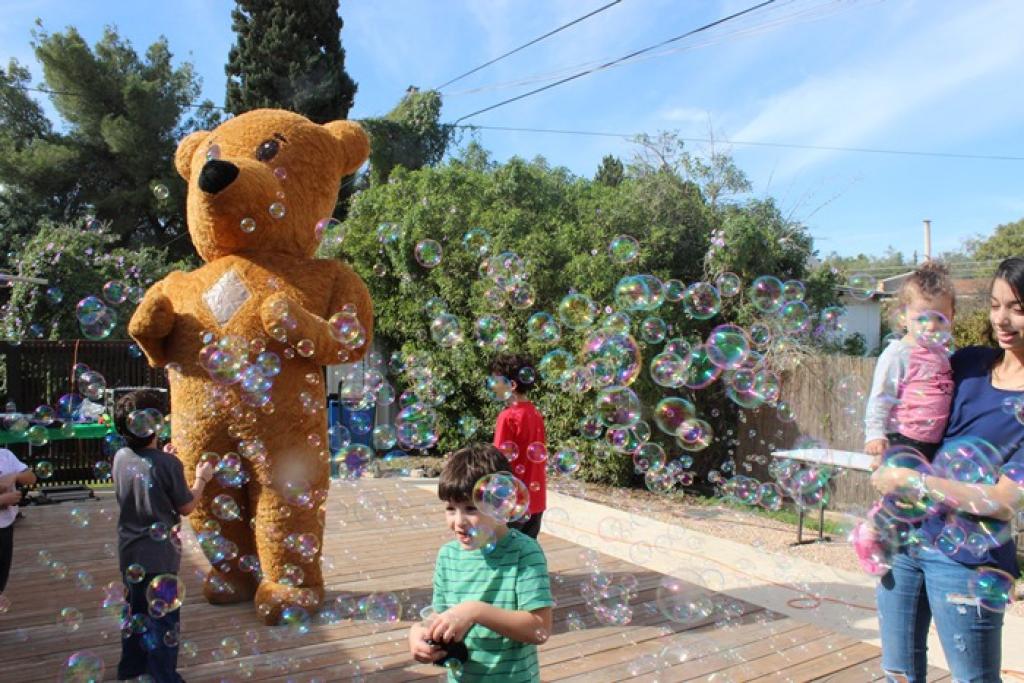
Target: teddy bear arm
x=152 y=323
x=349 y=289
x=303 y=325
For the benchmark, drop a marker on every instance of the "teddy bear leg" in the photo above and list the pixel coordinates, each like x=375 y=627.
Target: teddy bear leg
x=221 y=523
x=289 y=538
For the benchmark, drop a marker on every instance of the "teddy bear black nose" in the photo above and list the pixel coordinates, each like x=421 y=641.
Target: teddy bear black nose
x=216 y=175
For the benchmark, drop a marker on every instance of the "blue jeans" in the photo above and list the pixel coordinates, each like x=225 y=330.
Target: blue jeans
x=155 y=651
x=924 y=584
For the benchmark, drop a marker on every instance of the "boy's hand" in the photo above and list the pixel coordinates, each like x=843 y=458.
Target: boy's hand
x=452 y=625
x=422 y=651
x=8 y=481
x=205 y=471
x=876 y=448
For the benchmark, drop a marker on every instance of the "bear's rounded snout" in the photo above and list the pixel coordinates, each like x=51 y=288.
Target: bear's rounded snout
x=217 y=175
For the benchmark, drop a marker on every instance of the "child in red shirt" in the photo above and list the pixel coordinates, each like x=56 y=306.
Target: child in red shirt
x=522 y=424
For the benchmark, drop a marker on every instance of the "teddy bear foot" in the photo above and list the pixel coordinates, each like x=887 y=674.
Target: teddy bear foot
x=272 y=598
x=228 y=589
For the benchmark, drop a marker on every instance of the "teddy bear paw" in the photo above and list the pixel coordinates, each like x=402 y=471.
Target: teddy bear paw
x=272 y=598
x=220 y=588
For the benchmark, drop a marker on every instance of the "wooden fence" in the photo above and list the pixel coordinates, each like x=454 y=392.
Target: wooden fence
x=40 y=372
x=827 y=395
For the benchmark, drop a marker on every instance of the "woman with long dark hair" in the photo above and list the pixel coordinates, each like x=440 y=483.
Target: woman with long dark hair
x=957 y=565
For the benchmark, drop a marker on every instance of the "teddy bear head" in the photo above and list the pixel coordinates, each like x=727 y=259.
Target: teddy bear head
x=262 y=181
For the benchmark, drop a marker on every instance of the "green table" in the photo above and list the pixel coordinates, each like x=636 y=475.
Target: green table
x=80 y=431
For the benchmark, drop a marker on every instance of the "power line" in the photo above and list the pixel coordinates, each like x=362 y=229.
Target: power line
x=616 y=61
x=784 y=145
x=526 y=45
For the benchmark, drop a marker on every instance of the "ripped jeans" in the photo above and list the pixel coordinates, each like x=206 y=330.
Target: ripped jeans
x=924 y=584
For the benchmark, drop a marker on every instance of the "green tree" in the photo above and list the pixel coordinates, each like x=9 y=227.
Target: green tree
x=559 y=227
x=410 y=135
x=288 y=55
x=77 y=263
x=1006 y=241
x=112 y=159
x=611 y=171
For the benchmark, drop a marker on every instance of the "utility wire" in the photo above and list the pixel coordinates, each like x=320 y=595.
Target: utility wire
x=616 y=61
x=826 y=148
x=526 y=45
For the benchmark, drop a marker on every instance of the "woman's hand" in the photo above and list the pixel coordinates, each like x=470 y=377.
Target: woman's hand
x=888 y=480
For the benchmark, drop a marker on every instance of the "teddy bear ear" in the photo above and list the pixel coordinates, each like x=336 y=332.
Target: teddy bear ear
x=186 y=148
x=352 y=142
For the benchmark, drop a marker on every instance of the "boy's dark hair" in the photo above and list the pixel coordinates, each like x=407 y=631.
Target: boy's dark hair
x=140 y=399
x=465 y=467
x=508 y=366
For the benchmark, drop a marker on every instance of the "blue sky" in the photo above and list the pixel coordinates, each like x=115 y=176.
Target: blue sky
x=925 y=75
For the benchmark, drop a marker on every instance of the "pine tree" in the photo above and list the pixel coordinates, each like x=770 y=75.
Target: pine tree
x=611 y=172
x=288 y=55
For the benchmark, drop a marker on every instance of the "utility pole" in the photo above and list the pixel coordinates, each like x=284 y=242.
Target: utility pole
x=927 y=239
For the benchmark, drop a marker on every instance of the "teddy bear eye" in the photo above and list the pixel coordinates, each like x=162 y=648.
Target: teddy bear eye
x=267 y=150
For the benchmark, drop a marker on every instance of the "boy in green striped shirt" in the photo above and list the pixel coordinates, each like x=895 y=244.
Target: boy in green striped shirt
x=491 y=586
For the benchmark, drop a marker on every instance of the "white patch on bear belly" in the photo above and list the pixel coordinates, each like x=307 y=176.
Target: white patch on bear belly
x=226 y=296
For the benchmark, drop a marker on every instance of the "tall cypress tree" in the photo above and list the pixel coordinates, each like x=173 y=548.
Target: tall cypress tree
x=289 y=56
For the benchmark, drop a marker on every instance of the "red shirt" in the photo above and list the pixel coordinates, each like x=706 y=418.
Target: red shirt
x=522 y=423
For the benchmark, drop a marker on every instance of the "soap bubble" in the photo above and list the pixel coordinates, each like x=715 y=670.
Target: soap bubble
x=92 y=384
x=861 y=286
x=82 y=667
x=445 y=331
x=766 y=294
x=54 y=295
x=729 y=284
x=99 y=326
x=668 y=370
x=992 y=587
x=382 y=608
x=932 y=330
x=491 y=332
x=567 y=461
x=428 y=253
x=43 y=468
x=482 y=538
x=577 y=311
x=277 y=210
x=330 y=232
x=144 y=423
x=101 y=470
x=537 y=452
x=89 y=309
x=793 y=290
x=639 y=293
x=70 y=619
x=653 y=330
x=554 y=366
x=623 y=249
x=612 y=358
x=795 y=317
x=694 y=435
x=161 y=192
x=681 y=602
x=671 y=412
x=247 y=225
x=727 y=346
x=167 y=588
x=225 y=508
x=701 y=301
x=542 y=327
x=416 y=425
x=617 y=406
x=501 y=496
x=115 y=292
x=477 y=241
x=700 y=372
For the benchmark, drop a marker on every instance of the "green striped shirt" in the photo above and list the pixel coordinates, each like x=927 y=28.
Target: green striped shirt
x=514 y=576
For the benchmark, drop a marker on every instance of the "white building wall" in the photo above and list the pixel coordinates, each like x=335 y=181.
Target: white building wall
x=864 y=317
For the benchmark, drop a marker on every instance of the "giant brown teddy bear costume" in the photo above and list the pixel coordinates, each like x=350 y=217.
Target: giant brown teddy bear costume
x=257 y=187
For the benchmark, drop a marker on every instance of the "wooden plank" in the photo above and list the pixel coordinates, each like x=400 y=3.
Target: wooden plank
x=383 y=535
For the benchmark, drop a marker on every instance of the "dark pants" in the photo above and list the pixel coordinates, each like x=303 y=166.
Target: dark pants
x=6 y=554
x=148 y=652
x=530 y=527
x=925 y=449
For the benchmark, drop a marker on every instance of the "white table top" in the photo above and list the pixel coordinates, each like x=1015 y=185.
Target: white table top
x=851 y=460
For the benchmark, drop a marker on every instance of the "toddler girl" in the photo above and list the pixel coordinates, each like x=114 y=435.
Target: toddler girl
x=912 y=387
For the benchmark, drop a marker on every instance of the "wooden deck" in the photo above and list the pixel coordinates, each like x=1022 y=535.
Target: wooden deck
x=382 y=537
